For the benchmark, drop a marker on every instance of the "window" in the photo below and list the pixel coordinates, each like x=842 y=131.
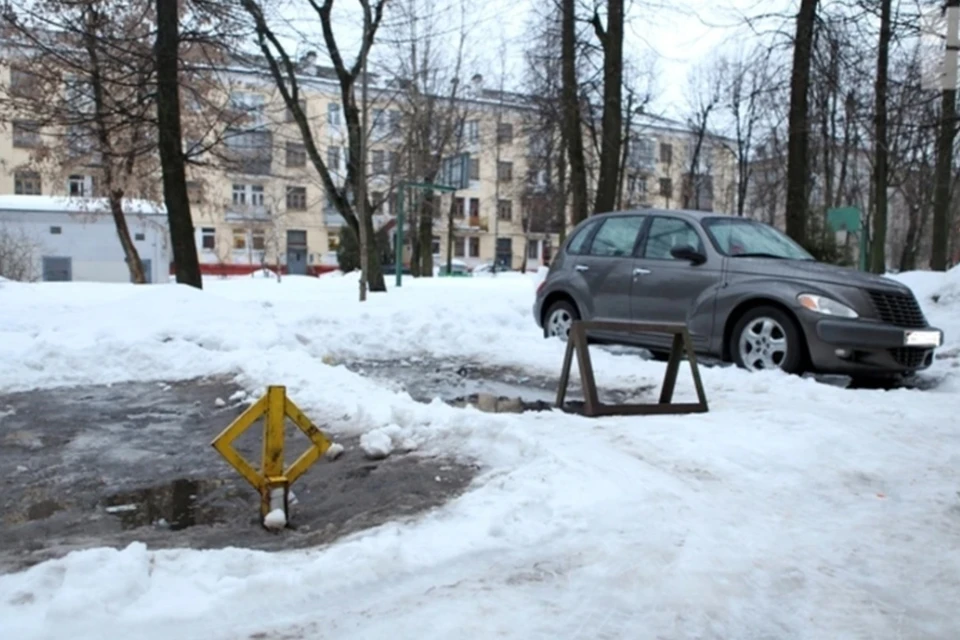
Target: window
x=26 y=183
x=474 y=247
x=379 y=123
x=505 y=210
x=139 y=237
x=239 y=239
x=616 y=236
x=637 y=185
x=26 y=134
x=333 y=114
x=459 y=247
x=533 y=249
x=80 y=186
x=303 y=108
x=333 y=241
x=208 y=238
x=259 y=241
x=394 y=161
x=250 y=151
x=296 y=198
x=504 y=252
x=474 y=168
x=394 y=119
x=55 y=231
x=376 y=201
x=379 y=167
x=579 y=240
x=505 y=133
x=333 y=158
x=473 y=130
x=250 y=109
x=248 y=195
x=435 y=245
x=474 y=207
x=296 y=155
x=23 y=82
x=666 y=153
x=239 y=194
x=194 y=192
x=504 y=171
x=666 y=187
x=737 y=236
x=458 y=208
x=668 y=233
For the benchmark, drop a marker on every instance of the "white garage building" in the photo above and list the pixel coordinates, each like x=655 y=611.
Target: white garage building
x=76 y=239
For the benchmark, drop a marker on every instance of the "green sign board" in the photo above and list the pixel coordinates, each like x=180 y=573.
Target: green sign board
x=850 y=219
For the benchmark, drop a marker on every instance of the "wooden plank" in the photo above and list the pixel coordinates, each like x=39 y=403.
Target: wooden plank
x=682 y=344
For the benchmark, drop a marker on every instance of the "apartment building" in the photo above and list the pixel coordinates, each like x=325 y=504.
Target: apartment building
x=257 y=199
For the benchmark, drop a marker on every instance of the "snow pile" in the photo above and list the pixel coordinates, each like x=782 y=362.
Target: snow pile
x=778 y=514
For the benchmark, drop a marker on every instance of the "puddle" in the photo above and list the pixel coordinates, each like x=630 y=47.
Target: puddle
x=461 y=384
x=174 y=506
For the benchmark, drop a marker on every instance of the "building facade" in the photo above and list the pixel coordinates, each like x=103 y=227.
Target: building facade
x=257 y=200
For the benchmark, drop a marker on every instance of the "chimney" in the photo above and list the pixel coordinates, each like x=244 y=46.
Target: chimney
x=477 y=82
x=308 y=63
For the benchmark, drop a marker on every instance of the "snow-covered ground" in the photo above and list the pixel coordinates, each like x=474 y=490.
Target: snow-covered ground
x=793 y=509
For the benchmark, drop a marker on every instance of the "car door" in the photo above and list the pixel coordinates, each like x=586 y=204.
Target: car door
x=668 y=289
x=603 y=270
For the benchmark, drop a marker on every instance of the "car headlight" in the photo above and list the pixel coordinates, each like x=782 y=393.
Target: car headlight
x=826 y=306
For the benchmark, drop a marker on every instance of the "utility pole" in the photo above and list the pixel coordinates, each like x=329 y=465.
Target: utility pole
x=948 y=127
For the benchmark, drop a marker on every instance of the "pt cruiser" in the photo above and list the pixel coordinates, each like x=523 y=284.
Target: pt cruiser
x=748 y=293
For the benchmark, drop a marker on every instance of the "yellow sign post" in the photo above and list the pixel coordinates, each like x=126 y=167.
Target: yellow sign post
x=272 y=481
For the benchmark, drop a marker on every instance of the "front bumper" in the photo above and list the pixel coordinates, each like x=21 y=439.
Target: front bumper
x=861 y=346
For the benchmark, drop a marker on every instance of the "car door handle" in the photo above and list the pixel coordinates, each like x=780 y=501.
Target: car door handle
x=582 y=267
x=640 y=272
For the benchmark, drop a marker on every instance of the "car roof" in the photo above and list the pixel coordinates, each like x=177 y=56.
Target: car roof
x=688 y=214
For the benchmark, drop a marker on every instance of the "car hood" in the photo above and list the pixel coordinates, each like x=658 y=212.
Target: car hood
x=811 y=271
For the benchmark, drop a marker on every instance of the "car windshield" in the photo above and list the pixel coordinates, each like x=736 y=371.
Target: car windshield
x=737 y=237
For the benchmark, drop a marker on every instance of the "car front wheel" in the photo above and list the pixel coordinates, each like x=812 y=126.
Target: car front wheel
x=767 y=338
x=559 y=319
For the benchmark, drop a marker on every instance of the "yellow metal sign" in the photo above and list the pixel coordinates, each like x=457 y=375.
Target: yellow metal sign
x=272 y=478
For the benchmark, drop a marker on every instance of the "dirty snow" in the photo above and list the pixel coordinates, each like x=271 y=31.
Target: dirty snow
x=794 y=509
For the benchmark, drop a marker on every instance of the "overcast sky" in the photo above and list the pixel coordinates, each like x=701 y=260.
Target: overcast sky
x=672 y=34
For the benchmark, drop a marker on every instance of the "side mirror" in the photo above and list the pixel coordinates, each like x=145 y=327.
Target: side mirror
x=686 y=252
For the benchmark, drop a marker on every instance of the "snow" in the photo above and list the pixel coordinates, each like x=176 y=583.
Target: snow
x=376 y=444
x=64 y=204
x=276 y=519
x=794 y=509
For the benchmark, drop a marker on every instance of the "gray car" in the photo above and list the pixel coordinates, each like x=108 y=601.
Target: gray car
x=747 y=292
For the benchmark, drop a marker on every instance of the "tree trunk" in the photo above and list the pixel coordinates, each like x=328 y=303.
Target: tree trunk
x=612 y=121
x=450 y=212
x=798 y=170
x=134 y=264
x=172 y=162
x=948 y=129
x=878 y=262
x=573 y=133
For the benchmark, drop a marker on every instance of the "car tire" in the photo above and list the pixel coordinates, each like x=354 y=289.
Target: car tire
x=772 y=337
x=560 y=313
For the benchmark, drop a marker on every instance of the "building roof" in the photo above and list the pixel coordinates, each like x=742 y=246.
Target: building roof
x=60 y=204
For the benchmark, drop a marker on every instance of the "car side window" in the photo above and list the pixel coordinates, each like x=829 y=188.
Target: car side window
x=666 y=234
x=617 y=236
x=577 y=244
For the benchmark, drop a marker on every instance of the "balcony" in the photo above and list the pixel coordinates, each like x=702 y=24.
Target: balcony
x=333 y=219
x=246 y=212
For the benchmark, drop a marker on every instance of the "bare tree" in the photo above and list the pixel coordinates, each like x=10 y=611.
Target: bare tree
x=285 y=72
x=798 y=169
x=18 y=255
x=611 y=42
x=572 y=119
x=881 y=152
x=706 y=84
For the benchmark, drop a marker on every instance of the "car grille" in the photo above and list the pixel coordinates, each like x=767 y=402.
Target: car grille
x=910 y=357
x=898 y=309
